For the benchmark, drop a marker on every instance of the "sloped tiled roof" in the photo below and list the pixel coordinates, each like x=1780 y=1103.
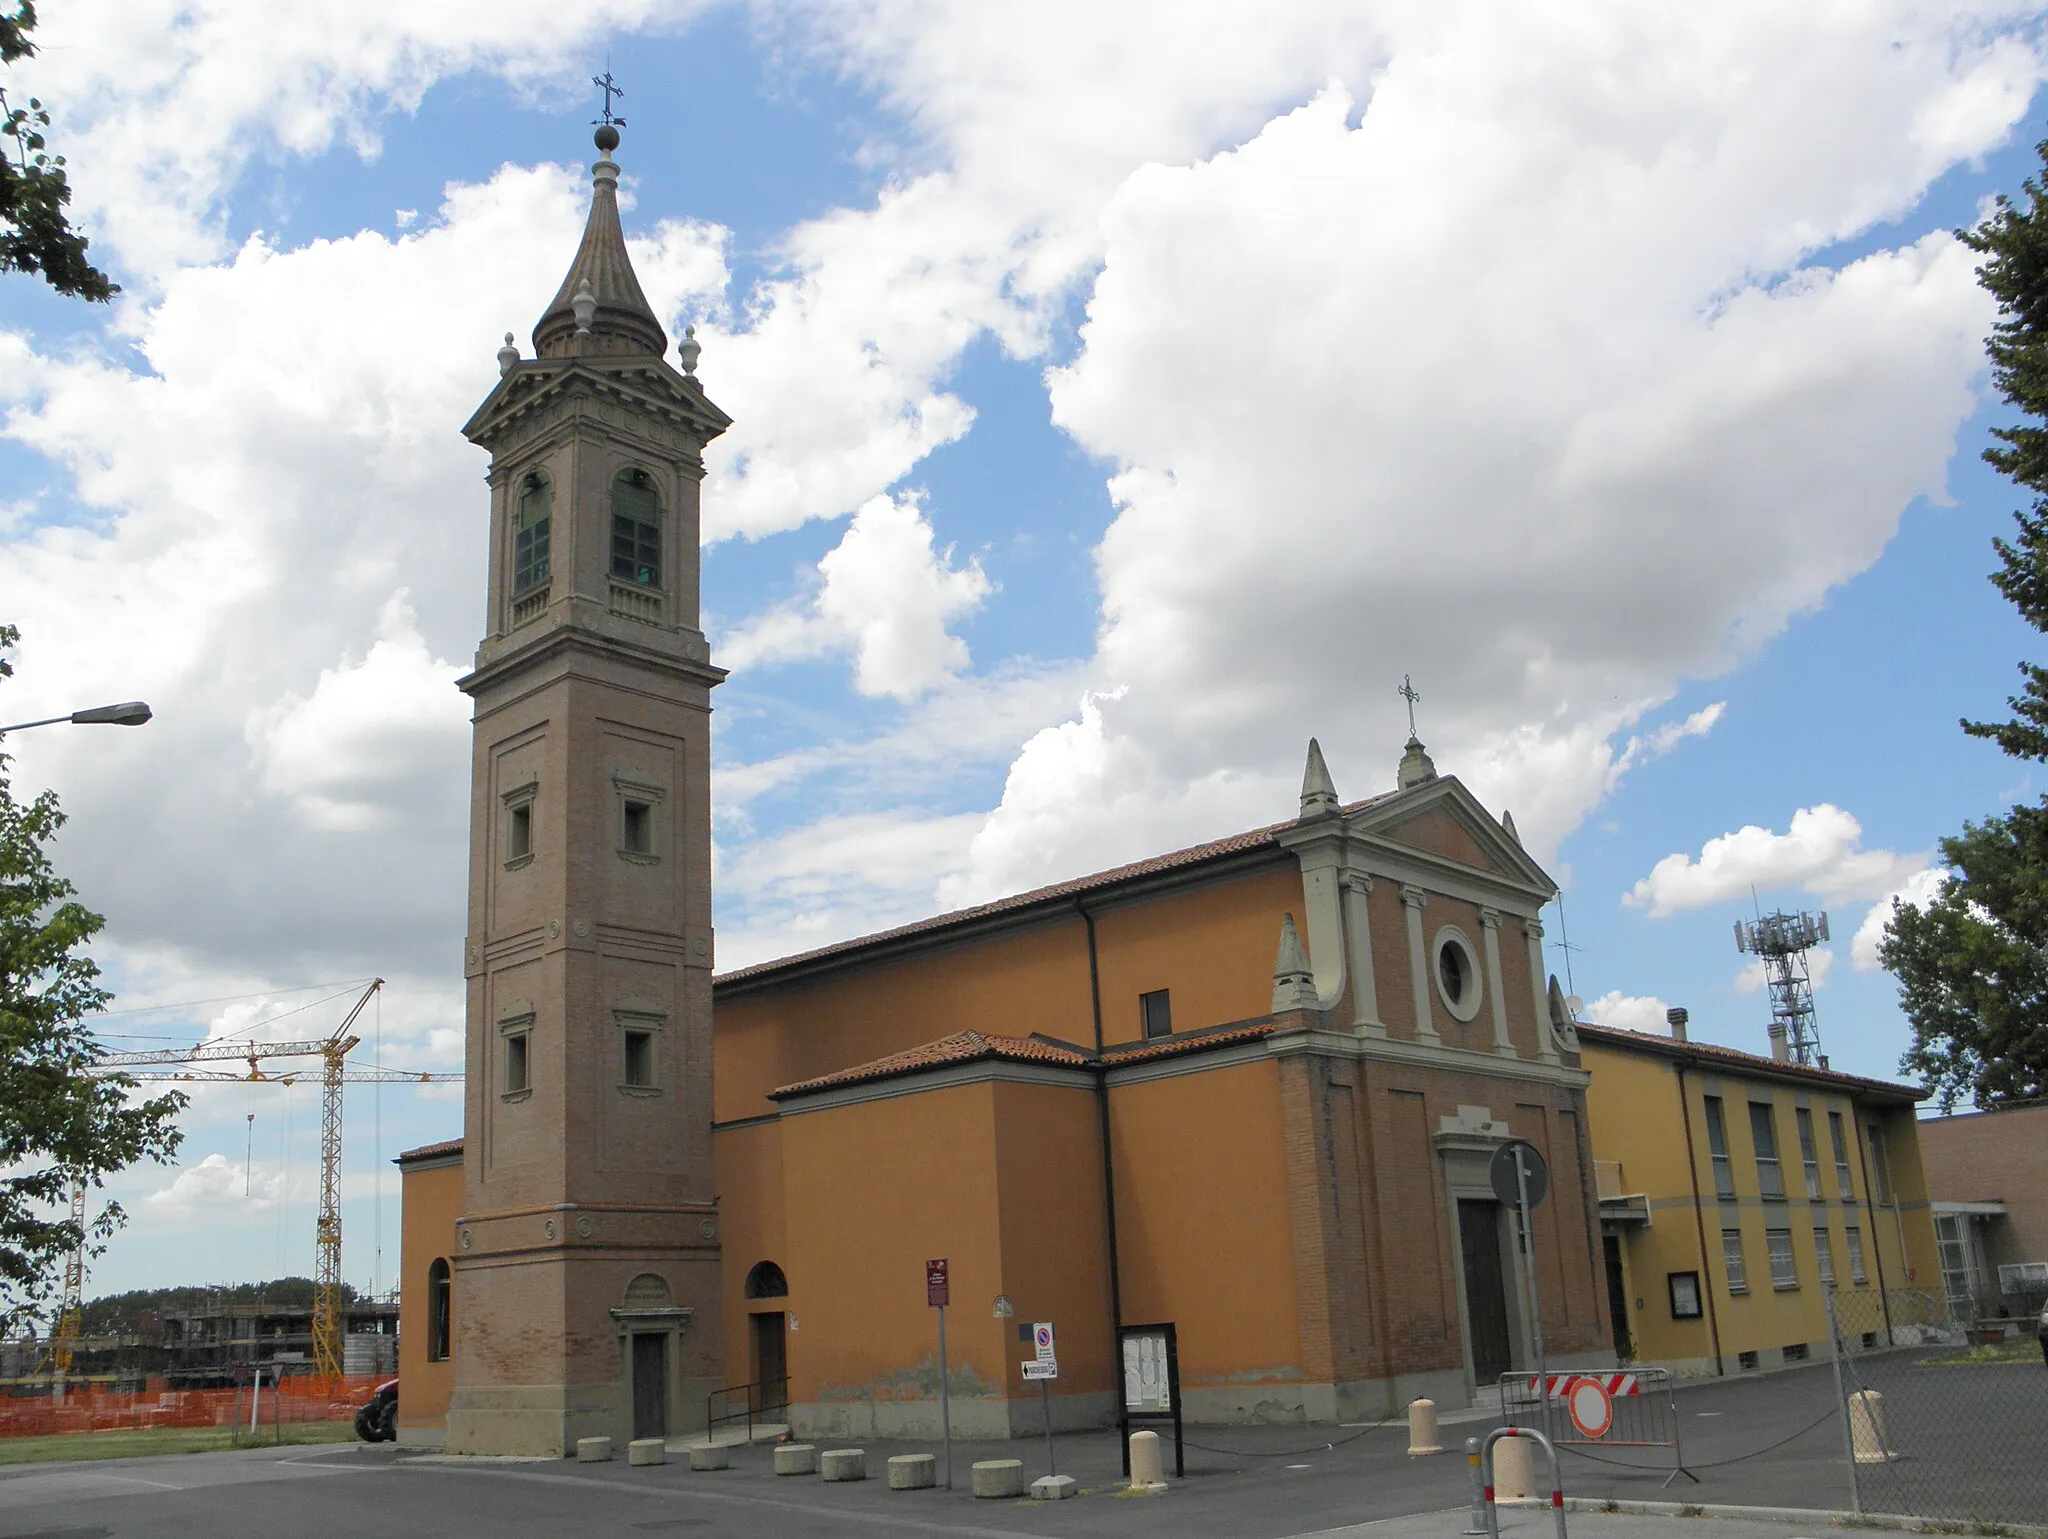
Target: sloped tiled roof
x=1058 y=892
x=1735 y=1060
x=429 y=1151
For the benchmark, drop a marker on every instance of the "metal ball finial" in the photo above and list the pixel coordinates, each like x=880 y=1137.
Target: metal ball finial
x=606 y=138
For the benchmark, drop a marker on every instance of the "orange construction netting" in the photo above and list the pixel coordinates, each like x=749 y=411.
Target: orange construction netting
x=86 y=1408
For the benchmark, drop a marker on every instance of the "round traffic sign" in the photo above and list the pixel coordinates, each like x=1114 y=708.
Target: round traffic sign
x=1501 y=1173
x=1591 y=1407
x=1043 y=1337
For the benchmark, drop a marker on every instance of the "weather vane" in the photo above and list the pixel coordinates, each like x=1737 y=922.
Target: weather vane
x=611 y=88
x=1407 y=692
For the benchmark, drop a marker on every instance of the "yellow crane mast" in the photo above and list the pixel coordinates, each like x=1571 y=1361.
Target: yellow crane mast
x=334 y=1073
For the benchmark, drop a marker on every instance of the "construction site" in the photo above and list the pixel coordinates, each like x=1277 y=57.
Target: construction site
x=201 y=1358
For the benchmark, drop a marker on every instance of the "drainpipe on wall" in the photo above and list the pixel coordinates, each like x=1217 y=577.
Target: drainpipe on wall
x=1116 y=1296
x=1699 y=1218
x=1884 y=1293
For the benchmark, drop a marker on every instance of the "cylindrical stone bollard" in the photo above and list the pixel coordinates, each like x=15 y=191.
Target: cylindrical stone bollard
x=593 y=1450
x=1422 y=1428
x=1514 y=1476
x=647 y=1450
x=1146 y=1469
x=796 y=1459
x=994 y=1478
x=1867 y=1433
x=844 y=1464
x=913 y=1472
x=711 y=1456
x=1476 y=1522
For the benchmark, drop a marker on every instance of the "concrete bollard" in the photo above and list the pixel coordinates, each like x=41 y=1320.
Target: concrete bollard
x=1147 y=1472
x=711 y=1456
x=844 y=1464
x=796 y=1458
x=1422 y=1428
x=1514 y=1474
x=913 y=1472
x=1867 y=1433
x=593 y=1450
x=1053 y=1488
x=998 y=1478
x=647 y=1450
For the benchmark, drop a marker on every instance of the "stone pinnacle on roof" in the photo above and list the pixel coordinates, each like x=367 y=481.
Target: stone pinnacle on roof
x=1294 y=986
x=620 y=320
x=1318 y=791
x=1417 y=768
x=1507 y=822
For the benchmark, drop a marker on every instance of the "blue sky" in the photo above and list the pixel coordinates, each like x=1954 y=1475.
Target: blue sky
x=1118 y=402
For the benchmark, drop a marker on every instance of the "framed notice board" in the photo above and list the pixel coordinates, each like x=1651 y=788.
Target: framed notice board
x=1151 y=1385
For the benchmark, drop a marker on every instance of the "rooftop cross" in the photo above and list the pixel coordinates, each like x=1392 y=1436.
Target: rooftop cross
x=1407 y=692
x=611 y=88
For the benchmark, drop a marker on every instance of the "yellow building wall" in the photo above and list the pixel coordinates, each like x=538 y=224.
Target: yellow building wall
x=430 y=1202
x=1638 y=1122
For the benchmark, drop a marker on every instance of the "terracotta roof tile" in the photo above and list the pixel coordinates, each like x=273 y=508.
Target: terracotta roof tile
x=1188 y=1042
x=429 y=1151
x=961 y=1047
x=1735 y=1058
x=1194 y=855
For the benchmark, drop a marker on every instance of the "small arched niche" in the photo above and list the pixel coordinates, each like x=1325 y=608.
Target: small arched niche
x=766 y=1281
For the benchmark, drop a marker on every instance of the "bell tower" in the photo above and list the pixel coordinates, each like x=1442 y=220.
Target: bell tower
x=587 y=1257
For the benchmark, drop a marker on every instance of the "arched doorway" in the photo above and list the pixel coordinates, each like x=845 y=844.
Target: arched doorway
x=770 y=1343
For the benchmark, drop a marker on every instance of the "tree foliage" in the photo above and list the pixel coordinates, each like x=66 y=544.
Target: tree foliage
x=35 y=229
x=1972 y=964
x=59 y=1123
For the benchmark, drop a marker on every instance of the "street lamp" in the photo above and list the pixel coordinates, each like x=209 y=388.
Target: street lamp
x=129 y=713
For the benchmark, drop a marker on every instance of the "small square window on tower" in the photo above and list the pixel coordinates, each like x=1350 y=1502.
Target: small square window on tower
x=1156 y=1008
x=519 y=824
x=639 y=809
x=639 y=1034
x=517 y=1078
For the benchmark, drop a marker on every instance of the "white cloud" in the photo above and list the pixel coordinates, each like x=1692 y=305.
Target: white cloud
x=216 y=1191
x=1820 y=852
x=1919 y=889
x=885 y=594
x=1631 y=1012
x=1641 y=748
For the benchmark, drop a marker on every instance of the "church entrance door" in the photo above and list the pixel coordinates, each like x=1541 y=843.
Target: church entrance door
x=1617 y=1299
x=1486 y=1298
x=650 y=1384
x=771 y=1362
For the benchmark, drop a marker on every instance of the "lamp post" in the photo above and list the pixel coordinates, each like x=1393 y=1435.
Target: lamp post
x=129 y=713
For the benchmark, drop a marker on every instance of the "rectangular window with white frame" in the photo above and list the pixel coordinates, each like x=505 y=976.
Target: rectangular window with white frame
x=1784 y=1265
x=1843 y=1183
x=1731 y=1257
x=1809 y=1153
x=1717 y=1147
x=1824 y=1253
x=1853 y=1240
x=1763 y=1132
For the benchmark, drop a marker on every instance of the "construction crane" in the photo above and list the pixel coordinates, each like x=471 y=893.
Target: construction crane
x=335 y=1072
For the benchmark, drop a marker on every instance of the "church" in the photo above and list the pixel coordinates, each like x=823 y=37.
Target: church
x=1240 y=1098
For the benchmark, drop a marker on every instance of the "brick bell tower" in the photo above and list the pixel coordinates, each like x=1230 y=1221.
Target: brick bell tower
x=587 y=1259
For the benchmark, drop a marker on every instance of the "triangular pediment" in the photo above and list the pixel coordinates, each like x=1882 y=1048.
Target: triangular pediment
x=538 y=390
x=1443 y=820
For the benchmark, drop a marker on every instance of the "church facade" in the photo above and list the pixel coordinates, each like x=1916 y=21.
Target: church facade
x=1247 y=1090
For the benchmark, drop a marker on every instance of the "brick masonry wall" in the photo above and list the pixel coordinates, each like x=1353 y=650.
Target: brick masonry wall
x=1994 y=1157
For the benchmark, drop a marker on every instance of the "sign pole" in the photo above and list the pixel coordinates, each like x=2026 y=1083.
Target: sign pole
x=945 y=1399
x=1535 y=1303
x=1045 y=1400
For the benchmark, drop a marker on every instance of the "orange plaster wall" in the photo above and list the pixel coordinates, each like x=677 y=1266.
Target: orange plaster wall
x=872 y=1191
x=1213 y=947
x=1202 y=1220
x=747 y=1162
x=1016 y=983
x=430 y=1202
x=1055 y=1257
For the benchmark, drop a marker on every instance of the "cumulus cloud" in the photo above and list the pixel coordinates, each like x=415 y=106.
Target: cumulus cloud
x=1631 y=1012
x=214 y=1191
x=1919 y=889
x=886 y=595
x=1820 y=852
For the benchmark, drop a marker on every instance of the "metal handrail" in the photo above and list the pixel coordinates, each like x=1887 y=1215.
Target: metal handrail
x=749 y=1395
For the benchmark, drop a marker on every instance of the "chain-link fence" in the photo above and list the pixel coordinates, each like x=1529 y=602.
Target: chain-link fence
x=1943 y=1416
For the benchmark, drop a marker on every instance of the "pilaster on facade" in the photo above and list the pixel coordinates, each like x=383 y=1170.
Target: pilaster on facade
x=1496 y=991
x=1546 y=1042
x=1412 y=900
x=1365 y=997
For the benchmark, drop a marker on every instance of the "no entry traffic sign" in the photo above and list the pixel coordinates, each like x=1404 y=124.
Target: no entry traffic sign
x=1591 y=1407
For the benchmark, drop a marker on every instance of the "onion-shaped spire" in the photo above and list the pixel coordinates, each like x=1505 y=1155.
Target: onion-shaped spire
x=620 y=321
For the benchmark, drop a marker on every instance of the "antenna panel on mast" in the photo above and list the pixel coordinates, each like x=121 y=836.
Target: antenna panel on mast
x=1780 y=942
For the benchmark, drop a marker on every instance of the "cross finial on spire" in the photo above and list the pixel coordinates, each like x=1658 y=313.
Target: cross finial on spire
x=611 y=88
x=1408 y=692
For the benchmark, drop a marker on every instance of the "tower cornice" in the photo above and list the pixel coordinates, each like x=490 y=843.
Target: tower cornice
x=644 y=384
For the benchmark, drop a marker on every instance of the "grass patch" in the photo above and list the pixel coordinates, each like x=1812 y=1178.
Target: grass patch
x=2019 y=1349
x=153 y=1441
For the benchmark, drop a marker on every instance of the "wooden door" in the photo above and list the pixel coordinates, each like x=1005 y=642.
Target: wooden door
x=650 y=1384
x=771 y=1362
x=1486 y=1297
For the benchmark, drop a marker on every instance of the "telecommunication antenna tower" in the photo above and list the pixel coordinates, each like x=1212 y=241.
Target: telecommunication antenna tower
x=1780 y=941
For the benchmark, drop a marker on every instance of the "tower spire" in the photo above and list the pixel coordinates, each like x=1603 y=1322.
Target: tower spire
x=621 y=321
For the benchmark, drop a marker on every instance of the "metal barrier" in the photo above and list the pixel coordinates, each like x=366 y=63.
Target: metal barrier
x=1637 y=1409
x=1556 y=1476
x=754 y=1406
